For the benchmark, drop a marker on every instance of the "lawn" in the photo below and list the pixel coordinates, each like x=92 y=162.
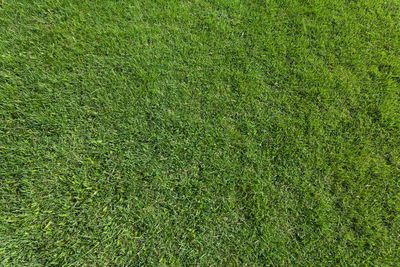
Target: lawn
x=226 y=132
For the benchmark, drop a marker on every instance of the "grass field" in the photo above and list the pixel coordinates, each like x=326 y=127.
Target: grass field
x=227 y=132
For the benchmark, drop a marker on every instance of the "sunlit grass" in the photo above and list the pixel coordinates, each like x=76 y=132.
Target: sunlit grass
x=199 y=132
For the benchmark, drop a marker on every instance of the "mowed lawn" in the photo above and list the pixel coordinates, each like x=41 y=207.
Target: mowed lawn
x=194 y=132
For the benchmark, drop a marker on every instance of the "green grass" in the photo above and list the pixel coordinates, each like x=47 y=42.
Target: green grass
x=229 y=132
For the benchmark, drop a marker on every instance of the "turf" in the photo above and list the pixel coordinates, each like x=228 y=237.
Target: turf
x=225 y=132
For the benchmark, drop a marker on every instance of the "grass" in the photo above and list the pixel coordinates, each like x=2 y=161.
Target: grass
x=199 y=132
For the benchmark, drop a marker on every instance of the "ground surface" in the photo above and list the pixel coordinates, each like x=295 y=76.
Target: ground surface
x=207 y=132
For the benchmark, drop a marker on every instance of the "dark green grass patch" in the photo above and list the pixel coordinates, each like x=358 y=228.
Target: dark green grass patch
x=199 y=132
